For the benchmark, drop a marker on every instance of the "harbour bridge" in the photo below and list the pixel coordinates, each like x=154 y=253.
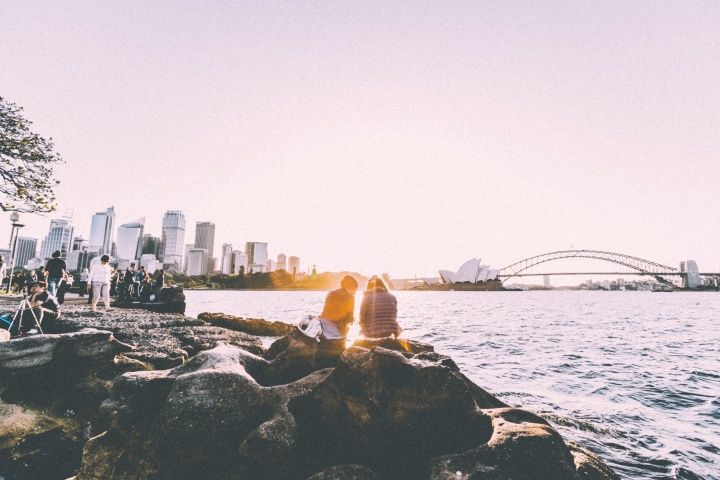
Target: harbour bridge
x=637 y=265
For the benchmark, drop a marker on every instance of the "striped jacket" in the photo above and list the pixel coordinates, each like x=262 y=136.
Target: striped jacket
x=378 y=314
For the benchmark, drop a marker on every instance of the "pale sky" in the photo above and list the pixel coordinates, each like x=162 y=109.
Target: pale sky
x=378 y=136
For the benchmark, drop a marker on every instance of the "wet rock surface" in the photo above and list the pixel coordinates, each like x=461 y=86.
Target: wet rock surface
x=135 y=394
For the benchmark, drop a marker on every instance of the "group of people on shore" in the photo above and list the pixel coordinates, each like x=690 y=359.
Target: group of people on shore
x=378 y=317
x=103 y=280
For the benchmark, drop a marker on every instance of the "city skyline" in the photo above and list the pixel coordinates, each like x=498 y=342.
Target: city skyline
x=384 y=136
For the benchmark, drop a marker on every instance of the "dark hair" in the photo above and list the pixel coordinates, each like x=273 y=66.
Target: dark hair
x=375 y=282
x=39 y=284
x=132 y=264
x=56 y=254
x=349 y=282
x=105 y=258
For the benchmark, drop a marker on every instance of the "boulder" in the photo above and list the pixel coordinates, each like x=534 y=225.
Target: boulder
x=51 y=387
x=253 y=326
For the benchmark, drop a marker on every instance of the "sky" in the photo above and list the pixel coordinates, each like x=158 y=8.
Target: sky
x=383 y=136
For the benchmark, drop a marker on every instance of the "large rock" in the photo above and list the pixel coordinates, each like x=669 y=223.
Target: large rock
x=253 y=326
x=380 y=413
x=51 y=387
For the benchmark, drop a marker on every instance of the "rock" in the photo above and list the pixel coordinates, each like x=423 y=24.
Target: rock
x=253 y=326
x=51 y=387
x=345 y=472
x=397 y=344
x=523 y=447
x=161 y=340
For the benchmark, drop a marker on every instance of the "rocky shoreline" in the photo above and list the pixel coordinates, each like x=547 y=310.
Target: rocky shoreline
x=137 y=394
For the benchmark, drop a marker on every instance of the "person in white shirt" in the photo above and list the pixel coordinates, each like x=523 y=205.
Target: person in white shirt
x=99 y=278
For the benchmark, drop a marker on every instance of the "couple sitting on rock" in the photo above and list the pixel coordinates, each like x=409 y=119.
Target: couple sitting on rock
x=378 y=315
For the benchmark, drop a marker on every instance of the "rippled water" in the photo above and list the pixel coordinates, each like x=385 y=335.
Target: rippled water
x=633 y=376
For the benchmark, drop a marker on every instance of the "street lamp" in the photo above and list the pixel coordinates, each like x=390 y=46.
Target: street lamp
x=15 y=232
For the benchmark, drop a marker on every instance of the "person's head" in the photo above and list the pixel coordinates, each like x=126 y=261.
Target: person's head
x=56 y=254
x=42 y=269
x=38 y=287
x=85 y=270
x=349 y=283
x=132 y=265
x=142 y=268
x=104 y=259
x=161 y=271
x=375 y=282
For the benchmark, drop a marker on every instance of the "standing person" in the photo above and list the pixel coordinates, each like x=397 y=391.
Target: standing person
x=99 y=278
x=41 y=275
x=159 y=280
x=64 y=287
x=338 y=313
x=129 y=281
x=56 y=269
x=83 y=281
x=378 y=311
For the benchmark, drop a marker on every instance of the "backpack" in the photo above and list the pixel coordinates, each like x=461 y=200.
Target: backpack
x=310 y=326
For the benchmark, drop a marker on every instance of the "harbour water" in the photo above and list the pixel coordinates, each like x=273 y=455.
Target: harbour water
x=633 y=376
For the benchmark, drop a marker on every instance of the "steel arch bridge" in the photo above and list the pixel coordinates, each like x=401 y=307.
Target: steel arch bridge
x=643 y=267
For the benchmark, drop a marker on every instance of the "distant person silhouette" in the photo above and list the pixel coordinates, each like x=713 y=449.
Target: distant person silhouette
x=336 y=317
x=378 y=311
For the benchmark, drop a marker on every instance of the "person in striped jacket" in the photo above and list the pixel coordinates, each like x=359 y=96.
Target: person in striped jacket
x=378 y=311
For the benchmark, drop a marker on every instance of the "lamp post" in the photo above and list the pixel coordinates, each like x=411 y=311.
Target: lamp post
x=15 y=232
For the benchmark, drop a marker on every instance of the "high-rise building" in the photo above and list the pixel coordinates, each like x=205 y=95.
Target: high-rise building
x=281 y=262
x=239 y=261
x=101 y=232
x=26 y=249
x=77 y=260
x=205 y=238
x=197 y=261
x=226 y=258
x=130 y=240
x=79 y=243
x=294 y=265
x=151 y=245
x=58 y=239
x=188 y=247
x=269 y=265
x=257 y=256
x=173 y=240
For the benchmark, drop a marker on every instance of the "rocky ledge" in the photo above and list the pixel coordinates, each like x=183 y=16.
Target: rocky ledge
x=79 y=403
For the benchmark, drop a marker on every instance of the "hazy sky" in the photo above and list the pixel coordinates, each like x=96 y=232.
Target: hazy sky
x=404 y=137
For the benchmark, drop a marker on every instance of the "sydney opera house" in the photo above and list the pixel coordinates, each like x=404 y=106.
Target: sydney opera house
x=470 y=272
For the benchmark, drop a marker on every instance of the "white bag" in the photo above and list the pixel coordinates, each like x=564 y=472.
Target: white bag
x=310 y=326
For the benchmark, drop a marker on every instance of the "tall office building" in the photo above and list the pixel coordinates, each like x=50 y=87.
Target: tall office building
x=173 y=240
x=197 y=261
x=257 y=256
x=205 y=238
x=281 y=262
x=239 y=262
x=59 y=238
x=130 y=240
x=101 y=232
x=77 y=260
x=294 y=265
x=151 y=245
x=226 y=258
x=26 y=249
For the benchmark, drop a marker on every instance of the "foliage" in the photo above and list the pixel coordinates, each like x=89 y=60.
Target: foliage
x=26 y=161
x=278 y=280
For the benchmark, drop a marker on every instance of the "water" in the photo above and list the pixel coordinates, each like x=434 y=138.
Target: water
x=633 y=376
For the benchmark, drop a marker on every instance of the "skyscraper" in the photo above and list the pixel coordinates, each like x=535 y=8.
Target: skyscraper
x=281 y=262
x=101 y=232
x=151 y=245
x=130 y=239
x=26 y=249
x=239 y=262
x=173 y=240
x=257 y=256
x=294 y=265
x=205 y=238
x=59 y=238
x=226 y=258
x=197 y=261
